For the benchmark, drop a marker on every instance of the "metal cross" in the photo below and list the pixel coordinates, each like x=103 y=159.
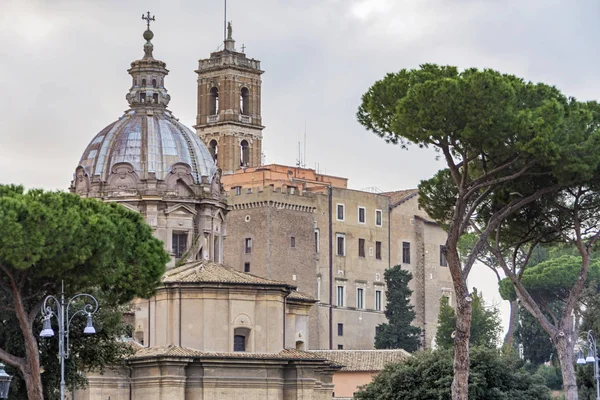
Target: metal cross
x=148 y=18
x=243 y=47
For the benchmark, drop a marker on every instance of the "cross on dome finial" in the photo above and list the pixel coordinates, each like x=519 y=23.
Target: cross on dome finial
x=148 y=18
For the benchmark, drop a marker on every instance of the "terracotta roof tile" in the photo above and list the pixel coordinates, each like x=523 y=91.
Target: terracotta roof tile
x=208 y=271
x=400 y=196
x=296 y=295
x=363 y=360
x=178 y=351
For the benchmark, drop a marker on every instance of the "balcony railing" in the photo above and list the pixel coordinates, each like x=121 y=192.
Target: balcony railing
x=211 y=119
x=245 y=119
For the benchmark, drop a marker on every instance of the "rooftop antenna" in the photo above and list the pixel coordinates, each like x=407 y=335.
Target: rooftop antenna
x=225 y=22
x=304 y=163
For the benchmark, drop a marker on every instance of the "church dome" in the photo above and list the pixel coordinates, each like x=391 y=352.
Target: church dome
x=152 y=142
x=147 y=141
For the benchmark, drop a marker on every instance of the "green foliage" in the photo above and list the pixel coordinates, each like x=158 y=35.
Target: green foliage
x=537 y=346
x=398 y=333
x=95 y=247
x=428 y=375
x=551 y=280
x=551 y=375
x=485 y=324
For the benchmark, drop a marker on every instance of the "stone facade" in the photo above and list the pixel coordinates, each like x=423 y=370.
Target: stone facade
x=431 y=278
x=229 y=114
x=243 y=345
x=350 y=282
x=210 y=332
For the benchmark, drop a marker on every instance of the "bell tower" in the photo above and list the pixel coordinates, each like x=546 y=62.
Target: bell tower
x=229 y=113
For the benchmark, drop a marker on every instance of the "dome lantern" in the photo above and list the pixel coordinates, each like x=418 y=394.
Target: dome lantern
x=148 y=76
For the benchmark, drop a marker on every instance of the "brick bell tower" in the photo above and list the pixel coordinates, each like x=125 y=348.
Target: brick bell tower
x=229 y=119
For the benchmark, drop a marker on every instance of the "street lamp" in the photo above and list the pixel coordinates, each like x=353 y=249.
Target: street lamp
x=591 y=358
x=61 y=311
x=4 y=382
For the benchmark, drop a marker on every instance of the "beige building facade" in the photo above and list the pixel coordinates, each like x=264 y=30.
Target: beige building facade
x=308 y=229
x=211 y=331
x=217 y=333
x=335 y=244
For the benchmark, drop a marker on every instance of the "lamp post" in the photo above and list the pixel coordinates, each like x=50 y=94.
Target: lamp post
x=61 y=311
x=4 y=382
x=592 y=357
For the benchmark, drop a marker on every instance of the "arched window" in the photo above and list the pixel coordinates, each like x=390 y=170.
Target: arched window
x=214 y=101
x=143 y=83
x=245 y=101
x=244 y=153
x=142 y=97
x=153 y=83
x=213 y=147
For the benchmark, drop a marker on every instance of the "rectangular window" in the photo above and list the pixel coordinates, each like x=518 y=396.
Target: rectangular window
x=378 y=217
x=238 y=190
x=340 y=329
x=340 y=347
x=239 y=343
x=360 y=298
x=292 y=241
x=377 y=330
x=341 y=244
x=247 y=267
x=179 y=243
x=317 y=237
x=361 y=215
x=361 y=247
x=405 y=252
x=340 y=296
x=378 y=300
x=340 y=214
x=378 y=250
x=248 y=245
x=443 y=262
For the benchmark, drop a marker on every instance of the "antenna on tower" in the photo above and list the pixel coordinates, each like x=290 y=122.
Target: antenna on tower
x=225 y=22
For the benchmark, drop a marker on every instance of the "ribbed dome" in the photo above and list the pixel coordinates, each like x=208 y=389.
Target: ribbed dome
x=152 y=142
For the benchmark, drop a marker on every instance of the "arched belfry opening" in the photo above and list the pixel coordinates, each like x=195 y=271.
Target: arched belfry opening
x=245 y=101
x=214 y=101
x=229 y=107
x=213 y=147
x=244 y=153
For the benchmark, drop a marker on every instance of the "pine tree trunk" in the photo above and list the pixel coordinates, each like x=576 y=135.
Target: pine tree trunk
x=31 y=370
x=564 y=350
x=512 y=325
x=460 y=383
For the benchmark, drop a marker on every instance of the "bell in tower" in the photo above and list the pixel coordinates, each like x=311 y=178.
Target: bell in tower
x=229 y=119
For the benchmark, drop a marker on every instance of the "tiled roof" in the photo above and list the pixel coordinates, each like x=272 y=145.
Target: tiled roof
x=178 y=351
x=400 y=196
x=210 y=272
x=296 y=295
x=363 y=360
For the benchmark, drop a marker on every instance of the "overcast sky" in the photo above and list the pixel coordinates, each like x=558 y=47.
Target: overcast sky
x=63 y=70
